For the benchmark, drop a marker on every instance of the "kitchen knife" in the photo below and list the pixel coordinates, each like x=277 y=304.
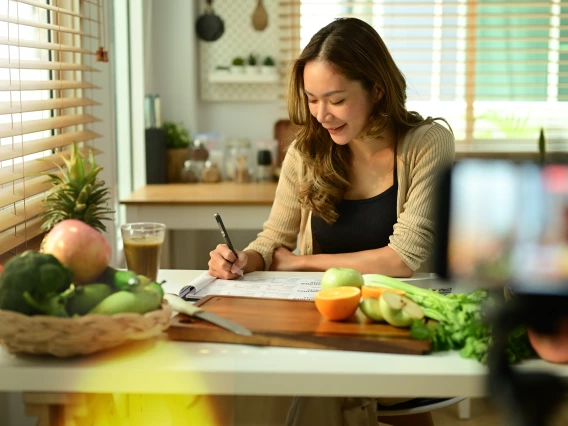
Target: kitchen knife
x=188 y=308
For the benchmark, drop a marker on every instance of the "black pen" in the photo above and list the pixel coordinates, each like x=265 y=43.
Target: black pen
x=225 y=235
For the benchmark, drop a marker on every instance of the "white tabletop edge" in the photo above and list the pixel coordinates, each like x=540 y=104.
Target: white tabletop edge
x=162 y=366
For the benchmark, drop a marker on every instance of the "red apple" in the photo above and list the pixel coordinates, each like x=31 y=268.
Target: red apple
x=80 y=247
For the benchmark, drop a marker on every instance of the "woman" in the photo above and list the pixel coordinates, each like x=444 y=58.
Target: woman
x=357 y=185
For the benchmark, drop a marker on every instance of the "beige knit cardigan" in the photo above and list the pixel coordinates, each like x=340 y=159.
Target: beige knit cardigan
x=421 y=155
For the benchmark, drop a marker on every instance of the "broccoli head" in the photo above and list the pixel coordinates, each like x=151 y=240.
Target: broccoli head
x=40 y=275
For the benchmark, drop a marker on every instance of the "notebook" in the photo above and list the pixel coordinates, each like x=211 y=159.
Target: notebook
x=283 y=287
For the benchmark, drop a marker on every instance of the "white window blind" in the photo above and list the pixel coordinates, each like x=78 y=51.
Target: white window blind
x=47 y=59
x=496 y=69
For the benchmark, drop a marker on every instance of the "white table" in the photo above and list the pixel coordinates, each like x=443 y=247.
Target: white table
x=161 y=366
x=191 y=206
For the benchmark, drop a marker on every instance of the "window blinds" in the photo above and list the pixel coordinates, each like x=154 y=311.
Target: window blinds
x=47 y=57
x=497 y=70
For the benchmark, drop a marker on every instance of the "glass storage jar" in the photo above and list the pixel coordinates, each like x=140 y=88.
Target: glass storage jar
x=237 y=160
x=264 y=166
x=199 y=155
x=189 y=173
x=210 y=173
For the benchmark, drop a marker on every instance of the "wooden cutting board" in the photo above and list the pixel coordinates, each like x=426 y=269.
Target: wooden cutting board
x=292 y=323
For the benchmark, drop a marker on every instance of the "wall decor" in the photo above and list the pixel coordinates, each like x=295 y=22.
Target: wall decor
x=259 y=17
x=209 y=26
x=227 y=69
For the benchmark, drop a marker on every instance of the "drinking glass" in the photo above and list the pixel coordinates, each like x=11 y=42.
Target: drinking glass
x=143 y=242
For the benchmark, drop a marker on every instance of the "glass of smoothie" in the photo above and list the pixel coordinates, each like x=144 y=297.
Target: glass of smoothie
x=143 y=243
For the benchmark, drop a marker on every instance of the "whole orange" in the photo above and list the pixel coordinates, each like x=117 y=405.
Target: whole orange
x=338 y=303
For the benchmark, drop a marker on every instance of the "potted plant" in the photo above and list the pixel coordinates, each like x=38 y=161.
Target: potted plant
x=238 y=65
x=177 y=144
x=252 y=64
x=268 y=66
x=221 y=69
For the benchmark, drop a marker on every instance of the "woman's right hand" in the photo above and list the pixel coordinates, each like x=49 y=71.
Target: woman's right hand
x=223 y=264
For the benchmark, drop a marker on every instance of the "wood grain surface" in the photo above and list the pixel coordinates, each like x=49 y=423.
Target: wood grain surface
x=293 y=323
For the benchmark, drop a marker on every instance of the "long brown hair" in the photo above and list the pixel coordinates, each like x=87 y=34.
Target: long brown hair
x=355 y=50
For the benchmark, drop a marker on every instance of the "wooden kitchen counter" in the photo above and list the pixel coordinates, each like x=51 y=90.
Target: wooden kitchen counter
x=224 y=193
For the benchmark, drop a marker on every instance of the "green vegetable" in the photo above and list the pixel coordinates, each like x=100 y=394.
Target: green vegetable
x=420 y=331
x=53 y=305
x=142 y=300
x=41 y=275
x=125 y=280
x=86 y=297
x=461 y=323
x=120 y=280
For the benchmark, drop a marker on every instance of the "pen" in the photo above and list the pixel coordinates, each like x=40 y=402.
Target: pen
x=224 y=234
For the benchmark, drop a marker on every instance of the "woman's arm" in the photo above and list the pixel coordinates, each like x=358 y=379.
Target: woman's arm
x=283 y=225
x=379 y=261
x=425 y=157
x=255 y=262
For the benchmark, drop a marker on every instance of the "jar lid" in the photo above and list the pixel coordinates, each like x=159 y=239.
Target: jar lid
x=264 y=157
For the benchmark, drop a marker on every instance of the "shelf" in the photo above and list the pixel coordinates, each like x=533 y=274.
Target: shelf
x=227 y=77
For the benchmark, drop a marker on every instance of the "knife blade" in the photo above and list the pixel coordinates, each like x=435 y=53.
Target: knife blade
x=188 y=308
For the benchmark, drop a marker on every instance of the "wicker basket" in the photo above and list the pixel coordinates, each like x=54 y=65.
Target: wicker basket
x=64 y=337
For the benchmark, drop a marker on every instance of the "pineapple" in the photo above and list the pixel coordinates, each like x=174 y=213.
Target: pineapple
x=77 y=194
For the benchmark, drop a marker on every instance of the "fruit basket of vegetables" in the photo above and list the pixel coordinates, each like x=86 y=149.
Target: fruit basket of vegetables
x=65 y=300
x=43 y=312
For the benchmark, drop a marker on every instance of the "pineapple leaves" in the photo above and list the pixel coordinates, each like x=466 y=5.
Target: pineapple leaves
x=77 y=193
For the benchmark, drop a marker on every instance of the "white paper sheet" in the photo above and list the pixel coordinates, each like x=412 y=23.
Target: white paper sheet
x=297 y=288
x=272 y=288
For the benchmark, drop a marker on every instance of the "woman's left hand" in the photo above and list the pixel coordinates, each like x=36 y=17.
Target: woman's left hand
x=284 y=260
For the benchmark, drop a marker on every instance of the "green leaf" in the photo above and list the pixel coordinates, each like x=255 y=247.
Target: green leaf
x=420 y=331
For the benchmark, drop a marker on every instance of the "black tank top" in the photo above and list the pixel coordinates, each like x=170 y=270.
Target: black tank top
x=362 y=224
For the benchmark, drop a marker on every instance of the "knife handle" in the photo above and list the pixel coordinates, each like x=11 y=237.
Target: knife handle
x=180 y=305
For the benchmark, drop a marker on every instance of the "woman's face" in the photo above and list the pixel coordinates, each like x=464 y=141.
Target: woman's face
x=343 y=107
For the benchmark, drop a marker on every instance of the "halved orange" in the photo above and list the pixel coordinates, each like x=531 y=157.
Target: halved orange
x=338 y=303
x=368 y=291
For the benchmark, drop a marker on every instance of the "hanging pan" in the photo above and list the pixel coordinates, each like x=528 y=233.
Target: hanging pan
x=209 y=27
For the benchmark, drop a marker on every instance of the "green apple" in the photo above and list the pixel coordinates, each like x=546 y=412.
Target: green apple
x=372 y=309
x=341 y=277
x=399 y=310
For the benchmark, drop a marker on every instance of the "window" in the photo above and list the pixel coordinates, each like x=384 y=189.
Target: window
x=46 y=59
x=497 y=70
